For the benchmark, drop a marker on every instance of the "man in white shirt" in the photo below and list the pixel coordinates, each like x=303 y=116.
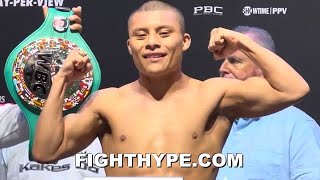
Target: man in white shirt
x=13 y=126
x=17 y=166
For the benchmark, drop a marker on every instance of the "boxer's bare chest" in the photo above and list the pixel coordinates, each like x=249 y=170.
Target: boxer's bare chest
x=186 y=123
x=177 y=124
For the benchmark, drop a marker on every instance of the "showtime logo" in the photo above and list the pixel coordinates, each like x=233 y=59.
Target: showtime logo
x=247 y=11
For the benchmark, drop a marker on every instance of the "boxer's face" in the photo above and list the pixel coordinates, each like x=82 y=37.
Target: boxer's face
x=239 y=66
x=156 y=42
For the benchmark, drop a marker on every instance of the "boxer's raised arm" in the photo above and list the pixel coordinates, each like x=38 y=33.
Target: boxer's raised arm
x=281 y=86
x=57 y=136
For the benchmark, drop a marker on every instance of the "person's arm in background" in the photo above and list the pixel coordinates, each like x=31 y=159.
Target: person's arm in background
x=13 y=126
x=305 y=148
x=316 y=130
x=3 y=167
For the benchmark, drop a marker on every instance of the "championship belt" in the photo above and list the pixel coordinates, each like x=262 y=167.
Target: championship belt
x=31 y=66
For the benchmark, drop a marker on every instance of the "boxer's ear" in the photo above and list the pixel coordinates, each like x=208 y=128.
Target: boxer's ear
x=129 y=48
x=186 y=41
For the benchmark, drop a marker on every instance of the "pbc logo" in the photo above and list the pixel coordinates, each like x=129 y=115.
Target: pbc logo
x=208 y=10
x=2 y=99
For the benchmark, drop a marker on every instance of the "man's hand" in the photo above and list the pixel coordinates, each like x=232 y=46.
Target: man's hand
x=75 y=19
x=75 y=67
x=223 y=42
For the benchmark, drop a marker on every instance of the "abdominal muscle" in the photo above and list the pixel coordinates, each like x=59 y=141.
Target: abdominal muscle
x=159 y=141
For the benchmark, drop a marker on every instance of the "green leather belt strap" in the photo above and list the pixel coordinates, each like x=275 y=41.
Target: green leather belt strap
x=29 y=79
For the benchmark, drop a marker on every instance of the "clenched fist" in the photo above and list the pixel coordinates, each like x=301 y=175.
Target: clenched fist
x=224 y=42
x=76 y=66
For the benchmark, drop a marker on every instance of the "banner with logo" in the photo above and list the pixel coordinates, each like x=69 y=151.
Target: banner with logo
x=294 y=26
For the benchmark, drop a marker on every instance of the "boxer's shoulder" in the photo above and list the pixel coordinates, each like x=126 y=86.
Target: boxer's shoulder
x=216 y=86
x=106 y=93
x=219 y=82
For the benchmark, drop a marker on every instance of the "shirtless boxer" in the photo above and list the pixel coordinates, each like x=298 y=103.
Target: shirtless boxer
x=164 y=111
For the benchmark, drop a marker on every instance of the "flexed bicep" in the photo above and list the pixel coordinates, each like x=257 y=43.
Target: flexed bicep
x=252 y=98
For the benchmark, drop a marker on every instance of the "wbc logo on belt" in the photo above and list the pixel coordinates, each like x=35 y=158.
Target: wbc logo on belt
x=35 y=67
